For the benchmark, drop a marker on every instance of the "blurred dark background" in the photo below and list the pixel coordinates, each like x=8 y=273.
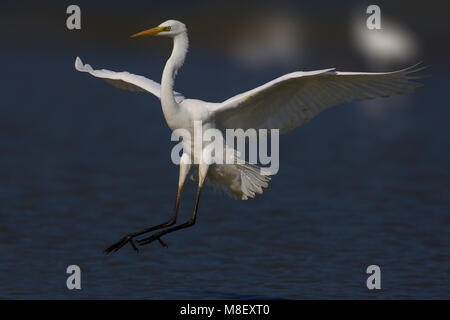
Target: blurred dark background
x=82 y=163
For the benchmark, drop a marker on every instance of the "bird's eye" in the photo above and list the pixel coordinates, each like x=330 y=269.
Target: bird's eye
x=167 y=28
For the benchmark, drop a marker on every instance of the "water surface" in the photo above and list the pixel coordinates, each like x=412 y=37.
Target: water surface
x=82 y=164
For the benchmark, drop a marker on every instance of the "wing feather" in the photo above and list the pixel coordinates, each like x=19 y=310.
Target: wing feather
x=125 y=80
x=297 y=97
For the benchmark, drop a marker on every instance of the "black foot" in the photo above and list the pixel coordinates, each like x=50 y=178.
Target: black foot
x=162 y=243
x=116 y=246
x=150 y=239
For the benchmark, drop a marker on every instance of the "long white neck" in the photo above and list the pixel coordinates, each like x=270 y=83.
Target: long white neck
x=169 y=105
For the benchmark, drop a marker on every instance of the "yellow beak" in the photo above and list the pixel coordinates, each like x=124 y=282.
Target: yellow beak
x=149 y=32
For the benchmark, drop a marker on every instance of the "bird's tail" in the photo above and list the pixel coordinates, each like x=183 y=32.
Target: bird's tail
x=253 y=179
x=239 y=181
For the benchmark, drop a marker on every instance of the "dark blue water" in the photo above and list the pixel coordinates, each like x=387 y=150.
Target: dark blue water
x=82 y=164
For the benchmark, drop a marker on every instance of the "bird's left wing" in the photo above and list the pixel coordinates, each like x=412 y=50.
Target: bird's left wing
x=125 y=80
x=297 y=97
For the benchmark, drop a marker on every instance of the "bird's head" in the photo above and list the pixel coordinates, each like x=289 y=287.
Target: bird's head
x=169 y=28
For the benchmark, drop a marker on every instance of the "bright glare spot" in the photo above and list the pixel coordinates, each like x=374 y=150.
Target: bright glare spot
x=391 y=44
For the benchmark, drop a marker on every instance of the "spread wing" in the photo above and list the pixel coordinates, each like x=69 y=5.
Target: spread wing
x=125 y=80
x=295 y=98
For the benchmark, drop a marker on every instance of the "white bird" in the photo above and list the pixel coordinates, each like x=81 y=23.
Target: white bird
x=283 y=103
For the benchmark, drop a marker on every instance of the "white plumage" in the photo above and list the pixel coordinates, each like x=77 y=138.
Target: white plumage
x=297 y=97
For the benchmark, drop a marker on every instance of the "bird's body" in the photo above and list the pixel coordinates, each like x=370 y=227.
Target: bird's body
x=238 y=180
x=283 y=103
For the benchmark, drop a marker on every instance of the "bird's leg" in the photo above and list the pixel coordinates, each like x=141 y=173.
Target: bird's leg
x=189 y=223
x=156 y=236
x=129 y=238
x=184 y=169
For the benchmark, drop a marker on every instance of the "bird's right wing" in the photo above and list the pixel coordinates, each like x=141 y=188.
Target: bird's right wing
x=293 y=99
x=125 y=80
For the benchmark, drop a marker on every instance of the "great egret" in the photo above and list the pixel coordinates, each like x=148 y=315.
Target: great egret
x=283 y=103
